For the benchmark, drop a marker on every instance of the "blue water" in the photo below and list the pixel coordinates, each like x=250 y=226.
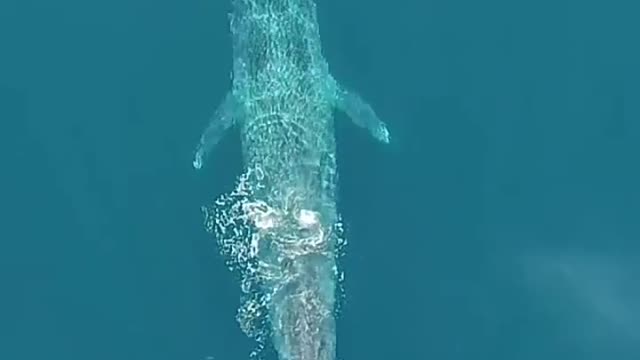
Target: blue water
x=502 y=223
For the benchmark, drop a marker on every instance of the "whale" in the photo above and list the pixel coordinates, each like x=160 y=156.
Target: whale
x=280 y=227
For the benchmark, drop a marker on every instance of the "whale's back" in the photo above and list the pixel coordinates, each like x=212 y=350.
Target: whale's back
x=282 y=83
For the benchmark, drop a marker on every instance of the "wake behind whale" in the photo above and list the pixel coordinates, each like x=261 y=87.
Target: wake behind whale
x=280 y=228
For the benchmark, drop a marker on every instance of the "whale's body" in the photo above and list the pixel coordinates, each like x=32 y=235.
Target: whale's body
x=280 y=225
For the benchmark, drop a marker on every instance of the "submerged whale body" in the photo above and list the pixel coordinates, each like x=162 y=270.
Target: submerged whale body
x=280 y=227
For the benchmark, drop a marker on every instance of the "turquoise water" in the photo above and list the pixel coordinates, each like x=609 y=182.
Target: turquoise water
x=500 y=224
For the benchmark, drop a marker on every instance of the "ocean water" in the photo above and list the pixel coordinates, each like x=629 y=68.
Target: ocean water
x=500 y=223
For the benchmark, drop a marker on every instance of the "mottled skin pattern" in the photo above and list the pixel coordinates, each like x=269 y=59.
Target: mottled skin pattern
x=280 y=226
x=282 y=83
x=285 y=92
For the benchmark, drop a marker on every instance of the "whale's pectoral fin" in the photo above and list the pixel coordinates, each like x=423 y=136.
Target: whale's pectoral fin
x=361 y=113
x=220 y=121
